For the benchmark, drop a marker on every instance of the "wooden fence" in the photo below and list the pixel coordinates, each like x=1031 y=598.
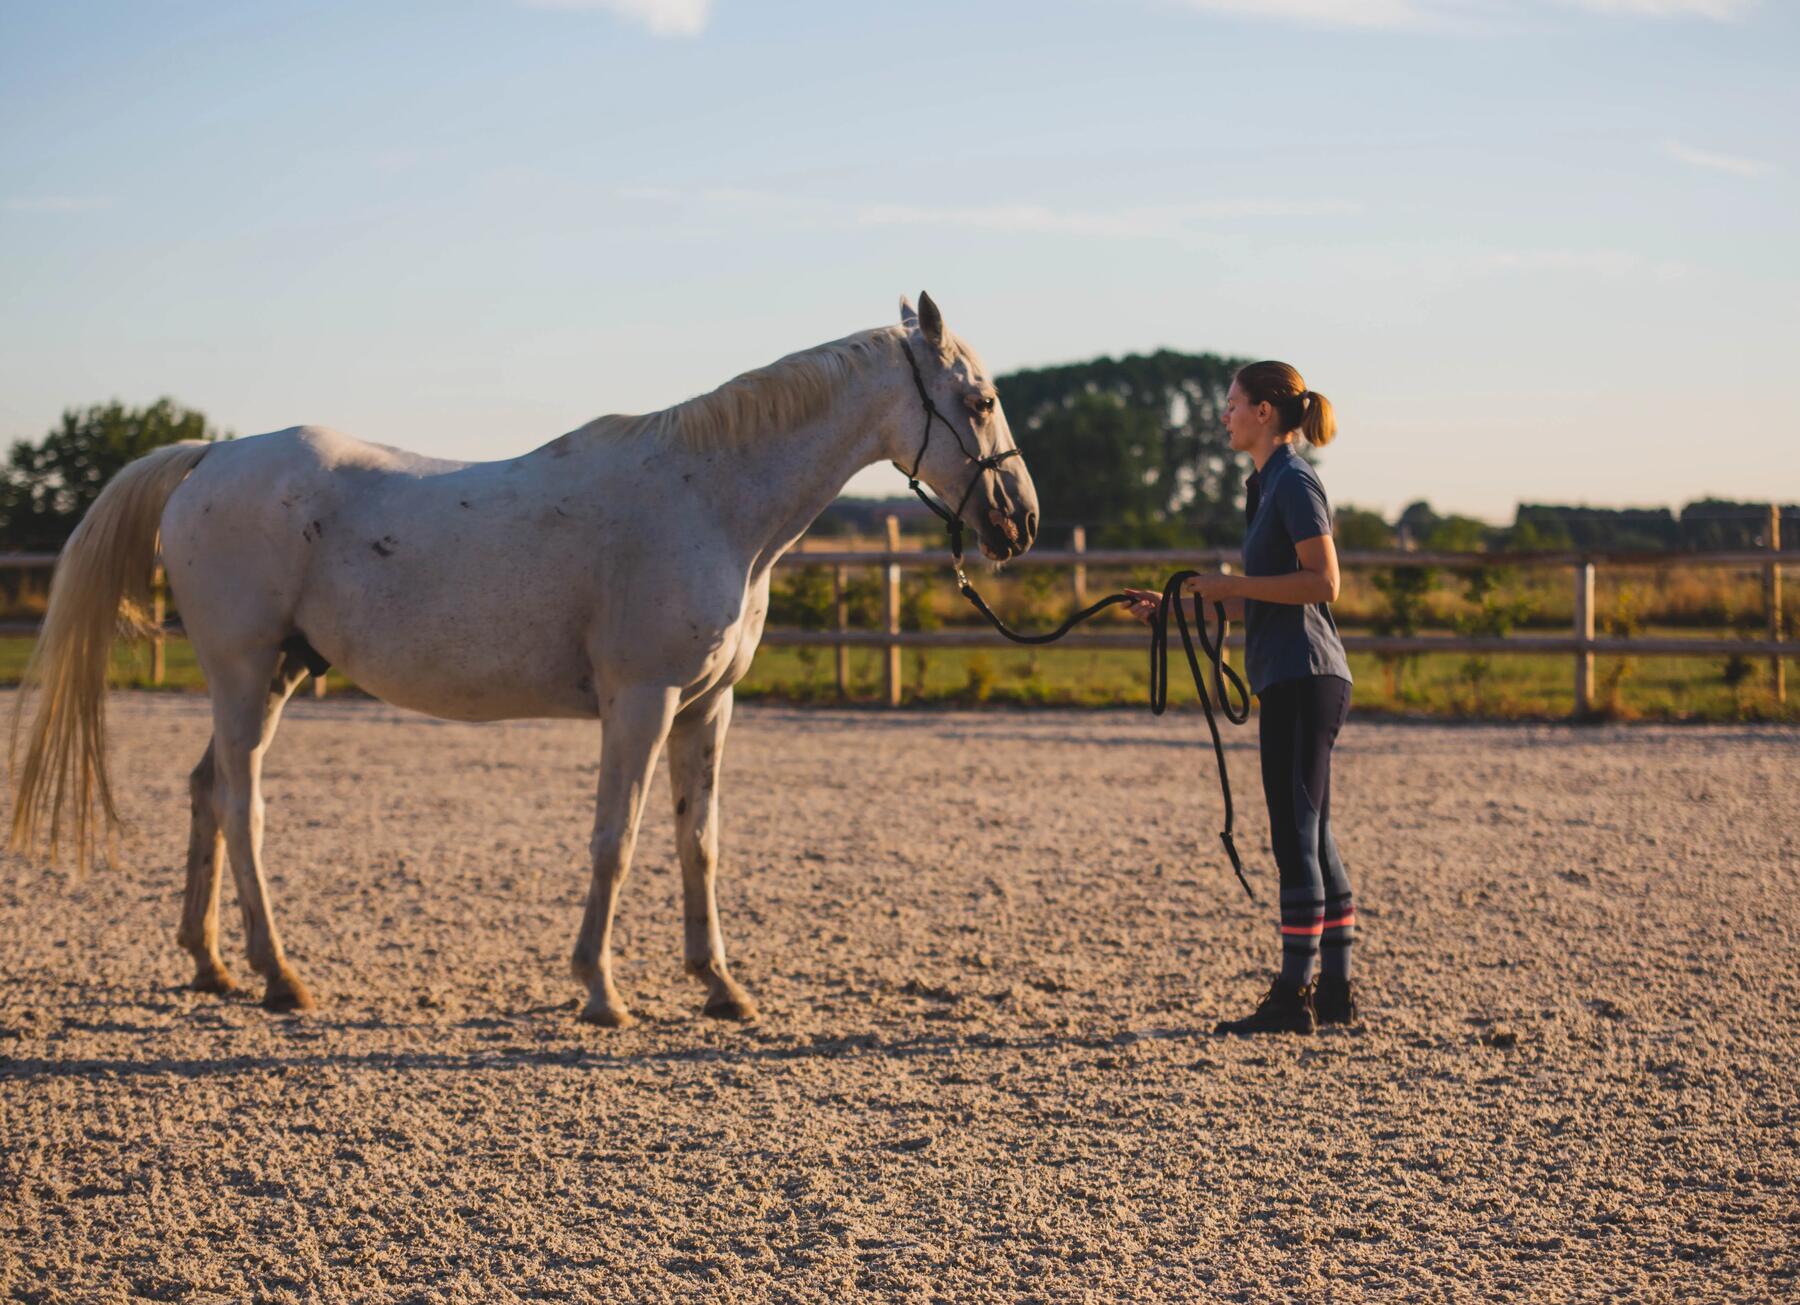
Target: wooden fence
x=1580 y=643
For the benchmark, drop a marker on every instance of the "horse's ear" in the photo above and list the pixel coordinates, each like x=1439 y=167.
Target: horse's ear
x=909 y=317
x=931 y=323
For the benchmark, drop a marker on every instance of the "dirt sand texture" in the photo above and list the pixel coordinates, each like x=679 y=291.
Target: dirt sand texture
x=989 y=949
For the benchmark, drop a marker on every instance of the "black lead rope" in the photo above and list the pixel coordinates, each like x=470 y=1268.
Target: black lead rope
x=1223 y=672
x=1159 y=624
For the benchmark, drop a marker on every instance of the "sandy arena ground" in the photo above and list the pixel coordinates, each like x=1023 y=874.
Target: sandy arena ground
x=989 y=950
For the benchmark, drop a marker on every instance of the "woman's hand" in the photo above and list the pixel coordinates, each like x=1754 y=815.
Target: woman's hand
x=1143 y=604
x=1214 y=587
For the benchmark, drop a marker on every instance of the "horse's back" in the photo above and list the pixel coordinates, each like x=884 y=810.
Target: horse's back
x=265 y=501
x=293 y=468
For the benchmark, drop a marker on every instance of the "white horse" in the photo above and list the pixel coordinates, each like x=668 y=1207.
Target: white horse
x=619 y=572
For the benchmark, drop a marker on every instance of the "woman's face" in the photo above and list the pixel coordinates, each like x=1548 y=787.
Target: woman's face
x=1245 y=421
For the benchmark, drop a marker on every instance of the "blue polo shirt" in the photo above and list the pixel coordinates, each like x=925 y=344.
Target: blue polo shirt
x=1285 y=503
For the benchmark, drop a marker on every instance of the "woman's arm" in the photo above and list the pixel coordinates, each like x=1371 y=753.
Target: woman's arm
x=1315 y=582
x=1144 y=603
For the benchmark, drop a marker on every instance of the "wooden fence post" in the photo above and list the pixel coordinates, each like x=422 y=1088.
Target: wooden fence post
x=841 y=608
x=1078 y=543
x=891 y=609
x=1772 y=600
x=158 y=612
x=1584 y=631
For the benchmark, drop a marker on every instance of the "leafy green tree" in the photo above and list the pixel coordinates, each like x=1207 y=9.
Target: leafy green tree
x=1454 y=534
x=1099 y=464
x=1358 y=529
x=1713 y=523
x=1416 y=522
x=1133 y=448
x=1537 y=534
x=46 y=487
x=1605 y=528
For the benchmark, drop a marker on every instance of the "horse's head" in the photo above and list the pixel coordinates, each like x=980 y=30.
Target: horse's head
x=997 y=502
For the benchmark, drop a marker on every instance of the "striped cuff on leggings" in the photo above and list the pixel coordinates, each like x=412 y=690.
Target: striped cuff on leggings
x=1337 y=935
x=1302 y=924
x=1337 y=923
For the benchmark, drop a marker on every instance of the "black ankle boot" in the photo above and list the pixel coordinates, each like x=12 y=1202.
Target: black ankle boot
x=1285 y=1008
x=1334 y=1001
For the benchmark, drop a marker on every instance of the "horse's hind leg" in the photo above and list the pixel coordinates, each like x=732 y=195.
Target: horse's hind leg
x=199 y=933
x=248 y=695
x=696 y=744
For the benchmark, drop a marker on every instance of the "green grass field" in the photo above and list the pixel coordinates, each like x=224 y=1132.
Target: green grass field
x=1509 y=687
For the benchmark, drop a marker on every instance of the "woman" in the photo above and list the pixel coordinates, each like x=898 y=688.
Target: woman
x=1297 y=669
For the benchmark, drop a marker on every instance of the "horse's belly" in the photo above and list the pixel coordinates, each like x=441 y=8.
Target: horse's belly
x=462 y=665
x=453 y=695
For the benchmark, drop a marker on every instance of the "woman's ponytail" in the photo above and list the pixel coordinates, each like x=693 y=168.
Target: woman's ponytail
x=1319 y=423
x=1301 y=409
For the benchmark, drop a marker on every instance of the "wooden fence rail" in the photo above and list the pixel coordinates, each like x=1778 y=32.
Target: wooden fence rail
x=1580 y=643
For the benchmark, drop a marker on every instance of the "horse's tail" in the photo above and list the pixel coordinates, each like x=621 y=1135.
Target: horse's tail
x=101 y=590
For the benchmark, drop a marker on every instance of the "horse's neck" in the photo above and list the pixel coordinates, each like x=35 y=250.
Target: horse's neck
x=768 y=491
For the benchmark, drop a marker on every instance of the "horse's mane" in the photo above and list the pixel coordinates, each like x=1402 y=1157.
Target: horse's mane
x=780 y=396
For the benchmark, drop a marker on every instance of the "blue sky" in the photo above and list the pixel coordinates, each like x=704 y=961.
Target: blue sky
x=1532 y=249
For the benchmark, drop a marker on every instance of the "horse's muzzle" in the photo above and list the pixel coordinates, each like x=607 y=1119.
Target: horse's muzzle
x=1006 y=536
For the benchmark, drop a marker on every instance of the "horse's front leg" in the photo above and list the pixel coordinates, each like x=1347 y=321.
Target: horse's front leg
x=633 y=728
x=696 y=743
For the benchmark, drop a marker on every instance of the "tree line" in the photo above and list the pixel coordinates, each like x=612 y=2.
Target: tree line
x=1133 y=449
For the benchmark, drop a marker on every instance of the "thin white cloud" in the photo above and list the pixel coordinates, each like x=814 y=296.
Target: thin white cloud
x=1203 y=222
x=1171 y=221
x=1127 y=224
x=1441 y=13
x=56 y=203
x=1451 y=266
x=664 y=17
x=1328 y=13
x=1720 y=10
x=1735 y=164
x=1596 y=262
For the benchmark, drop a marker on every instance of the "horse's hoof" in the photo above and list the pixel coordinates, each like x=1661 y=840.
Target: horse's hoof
x=286 y=993
x=731 y=1003
x=606 y=1015
x=215 y=979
